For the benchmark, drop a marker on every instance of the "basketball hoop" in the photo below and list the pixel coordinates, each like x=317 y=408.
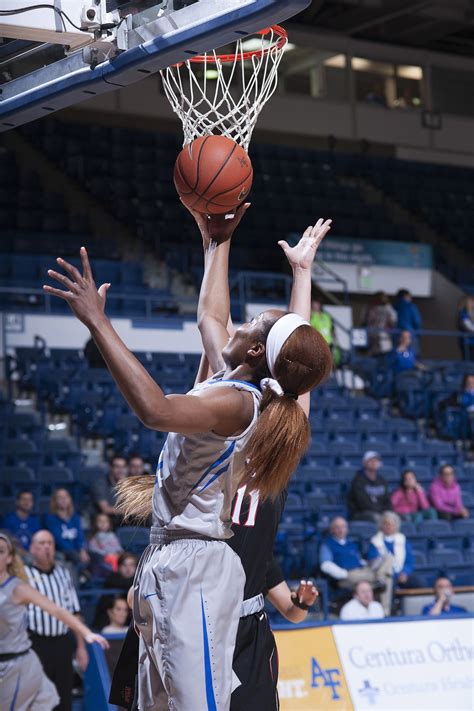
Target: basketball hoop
x=208 y=105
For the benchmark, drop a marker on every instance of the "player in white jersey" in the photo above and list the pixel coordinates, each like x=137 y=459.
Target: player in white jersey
x=242 y=425
x=23 y=684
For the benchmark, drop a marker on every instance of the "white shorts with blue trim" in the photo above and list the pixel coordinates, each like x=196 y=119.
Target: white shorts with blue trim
x=188 y=596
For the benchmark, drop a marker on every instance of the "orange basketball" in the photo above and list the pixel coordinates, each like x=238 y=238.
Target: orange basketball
x=213 y=175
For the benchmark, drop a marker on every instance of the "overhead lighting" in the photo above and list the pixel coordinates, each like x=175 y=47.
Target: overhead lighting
x=253 y=44
x=212 y=74
x=338 y=61
x=405 y=71
x=368 y=65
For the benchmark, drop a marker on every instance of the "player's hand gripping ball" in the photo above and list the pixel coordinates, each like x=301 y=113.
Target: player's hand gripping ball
x=213 y=175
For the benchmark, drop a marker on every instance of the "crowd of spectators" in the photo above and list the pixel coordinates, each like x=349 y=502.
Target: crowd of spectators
x=369 y=494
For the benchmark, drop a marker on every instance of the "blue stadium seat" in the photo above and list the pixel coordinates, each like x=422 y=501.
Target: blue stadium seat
x=434 y=528
x=362 y=529
x=445 y=557
x=133 y=539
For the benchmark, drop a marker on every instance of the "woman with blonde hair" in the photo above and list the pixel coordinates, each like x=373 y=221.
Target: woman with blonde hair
x=23 y=683
x=65 y=526
x=242 y=425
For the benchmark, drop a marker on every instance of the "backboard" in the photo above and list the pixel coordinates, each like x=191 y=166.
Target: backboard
x=57 y=55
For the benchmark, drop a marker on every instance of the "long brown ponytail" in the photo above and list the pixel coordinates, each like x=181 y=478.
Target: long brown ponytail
x=282 y=432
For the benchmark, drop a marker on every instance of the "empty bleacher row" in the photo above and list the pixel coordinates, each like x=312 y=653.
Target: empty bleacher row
x=128 y=297
x=291 y=183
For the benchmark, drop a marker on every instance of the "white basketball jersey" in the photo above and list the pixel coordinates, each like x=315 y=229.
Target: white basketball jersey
x=197 y=475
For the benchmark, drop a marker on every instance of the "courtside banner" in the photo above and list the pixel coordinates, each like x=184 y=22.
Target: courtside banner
x=408 y=665
x=310 y=675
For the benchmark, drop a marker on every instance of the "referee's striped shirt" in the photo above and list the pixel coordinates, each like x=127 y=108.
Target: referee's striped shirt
x=57 y=585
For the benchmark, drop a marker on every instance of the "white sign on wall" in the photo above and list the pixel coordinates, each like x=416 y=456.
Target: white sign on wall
x=409 y=666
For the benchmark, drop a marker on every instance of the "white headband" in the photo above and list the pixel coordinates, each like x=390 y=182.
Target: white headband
x=278 y=335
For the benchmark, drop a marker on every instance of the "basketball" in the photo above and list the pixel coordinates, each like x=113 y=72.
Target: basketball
x=213 y=175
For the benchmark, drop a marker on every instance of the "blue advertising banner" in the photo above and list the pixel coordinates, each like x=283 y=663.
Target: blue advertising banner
x=367 y=252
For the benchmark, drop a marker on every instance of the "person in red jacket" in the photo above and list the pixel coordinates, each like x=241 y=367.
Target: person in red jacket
x=445 y=495
x=409 y=501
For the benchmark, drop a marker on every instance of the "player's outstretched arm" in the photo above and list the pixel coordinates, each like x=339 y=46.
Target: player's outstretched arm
x=214 y=298
x=301 y=258
x=24 y=594
x=178 y=413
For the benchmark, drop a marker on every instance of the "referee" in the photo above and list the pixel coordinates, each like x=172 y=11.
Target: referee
x=49 y=636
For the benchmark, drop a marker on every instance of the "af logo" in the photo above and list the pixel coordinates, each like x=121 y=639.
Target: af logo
x=243 y=162
x=242 y=194
x=369 y=692
x=325 y=677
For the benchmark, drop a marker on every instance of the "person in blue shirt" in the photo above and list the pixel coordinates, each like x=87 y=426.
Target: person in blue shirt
x=409 y=317
x=21 y=523
x=389 y=543
x=403 y=358
x=66 y=528
x=341 y=560
x=442 y=605
x=466 y=324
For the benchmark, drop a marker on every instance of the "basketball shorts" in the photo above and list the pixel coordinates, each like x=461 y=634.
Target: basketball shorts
x=255 y=665
x=188 y=595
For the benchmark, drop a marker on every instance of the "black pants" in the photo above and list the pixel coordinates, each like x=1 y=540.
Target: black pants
x=56 y=655
x=256 y=666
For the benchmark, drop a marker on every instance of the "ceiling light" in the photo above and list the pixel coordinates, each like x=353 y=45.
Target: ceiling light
x=253 y=44
x=406 y=71
x=338 y=61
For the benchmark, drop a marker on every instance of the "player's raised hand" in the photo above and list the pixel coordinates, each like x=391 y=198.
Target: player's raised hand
x=86 y=301
x=306 y=593
x=302 y=254
x=218 y=228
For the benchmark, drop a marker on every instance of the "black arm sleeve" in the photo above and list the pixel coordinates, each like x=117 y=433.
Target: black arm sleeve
x=274 y=576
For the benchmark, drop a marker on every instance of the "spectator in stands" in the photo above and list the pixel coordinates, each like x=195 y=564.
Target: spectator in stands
x=322 y=322
x=341 y=560
x=443 y=591
x=118 y=614
x=136 y=465
x=21 y=523
x=369 y=494
x=445 y=495
x=409 y=317
x=123 y=578
x=409 y=501
x=92 y=355
x=390 y=542
x=362 y=606
x=49 y=636
x=466 y=398
x=66 y=527
x=403 y=356
x=103 y=490
x=380 y=318
x=466 y=324
x=104 y=543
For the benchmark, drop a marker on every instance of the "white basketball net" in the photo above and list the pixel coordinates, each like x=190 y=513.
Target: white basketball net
x=224 y=93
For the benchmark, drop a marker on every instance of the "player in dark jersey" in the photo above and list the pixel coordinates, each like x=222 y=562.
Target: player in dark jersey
x=255 y=524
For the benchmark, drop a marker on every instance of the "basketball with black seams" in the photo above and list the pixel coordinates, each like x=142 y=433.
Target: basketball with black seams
x=213 y=175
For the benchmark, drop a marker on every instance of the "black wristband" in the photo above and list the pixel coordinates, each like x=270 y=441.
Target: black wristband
x=301 y=605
